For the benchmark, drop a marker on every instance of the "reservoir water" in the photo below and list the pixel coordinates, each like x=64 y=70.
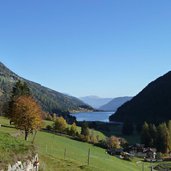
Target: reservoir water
x=93 y=116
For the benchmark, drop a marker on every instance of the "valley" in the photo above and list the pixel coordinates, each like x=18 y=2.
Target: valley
x=85 y=85
x=51 y=150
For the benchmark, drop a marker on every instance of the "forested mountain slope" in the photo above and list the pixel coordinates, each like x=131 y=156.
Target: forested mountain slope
x=50 y=100
x=152 y=104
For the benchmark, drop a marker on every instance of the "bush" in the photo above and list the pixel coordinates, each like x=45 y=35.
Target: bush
x=73 y=130
x=60 y=124
x=49 y=127
x=113 y=142
x=85 y=130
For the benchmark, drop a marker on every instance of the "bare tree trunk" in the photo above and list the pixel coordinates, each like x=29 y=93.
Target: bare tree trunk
x=26 y=135
x=34 y=136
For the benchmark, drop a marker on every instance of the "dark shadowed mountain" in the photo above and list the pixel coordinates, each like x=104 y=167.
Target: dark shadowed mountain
x=152 y=104
x=50 y=100
x=115 y=103
x=95 y=101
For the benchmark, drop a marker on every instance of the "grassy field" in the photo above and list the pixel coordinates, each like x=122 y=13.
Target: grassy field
x=92 y=131
x=52 y=149
x=64 y=154
x=12 y=148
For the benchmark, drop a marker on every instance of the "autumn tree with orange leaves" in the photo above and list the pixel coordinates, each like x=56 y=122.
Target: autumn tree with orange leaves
x=26 y=115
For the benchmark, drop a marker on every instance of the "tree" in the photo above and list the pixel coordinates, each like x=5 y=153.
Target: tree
x=163 y=138
x=84 y=129
x=73 y=129
x=127 y=128
x=60 y=124
x=19 y=89
x=153 y=135
x=54 y=117
x=169 y=130
x=26 y=115
x=123 y=142
x=145 y=135
x=113 y=142
x=93 y=137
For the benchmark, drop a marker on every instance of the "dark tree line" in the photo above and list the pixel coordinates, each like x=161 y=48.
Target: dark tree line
x=19 y=89
x=157 y=136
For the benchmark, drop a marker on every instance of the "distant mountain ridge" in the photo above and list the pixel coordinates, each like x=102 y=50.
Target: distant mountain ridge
x=152 y=104
x=50 y=100
x=95 y=101
x=115 y=103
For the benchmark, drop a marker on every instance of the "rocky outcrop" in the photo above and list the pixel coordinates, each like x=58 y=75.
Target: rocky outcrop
x=29 y=165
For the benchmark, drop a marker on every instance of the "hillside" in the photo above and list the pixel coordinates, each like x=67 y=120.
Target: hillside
x=115 y=103
x=51 y=149
x=95 y=101
x=152 y=104
x=50 y=100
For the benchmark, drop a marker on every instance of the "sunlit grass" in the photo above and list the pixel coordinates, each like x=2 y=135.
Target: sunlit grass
x=62 y=153
x=13 y=149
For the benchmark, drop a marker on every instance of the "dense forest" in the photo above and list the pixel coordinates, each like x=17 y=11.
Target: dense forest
x=51 y=101
x=152 y=104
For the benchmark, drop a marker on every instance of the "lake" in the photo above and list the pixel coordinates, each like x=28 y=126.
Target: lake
x=93 y=116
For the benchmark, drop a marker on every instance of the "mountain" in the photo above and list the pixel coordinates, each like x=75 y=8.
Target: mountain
x=50 y=100
x=95 y=101
x=152 y=104
x=115 y=103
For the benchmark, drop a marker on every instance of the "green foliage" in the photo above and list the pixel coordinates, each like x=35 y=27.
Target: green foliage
x=157 y=137
x=73 y=130
x=149 y=135
x=20 y=89
x=49 y=127
x=51 y=154
x=85 y=129
x=76 y=155
x=60 y=124
x=94 y=139
x=152 y=104
x=128 y=128
x=13 y=149
x=163 y=138
x=153 y=135
x=51 y=101
x=145 y=135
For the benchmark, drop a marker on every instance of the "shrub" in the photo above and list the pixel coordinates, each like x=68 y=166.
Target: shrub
x=60 y=124
x=73 y=130
x=49 y=127
x=85 y=129
x=113 y=142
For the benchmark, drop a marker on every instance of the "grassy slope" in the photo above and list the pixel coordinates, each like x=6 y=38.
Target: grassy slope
x=100 y=134
x=12 y=148
x=76 y=155
x=51 y=151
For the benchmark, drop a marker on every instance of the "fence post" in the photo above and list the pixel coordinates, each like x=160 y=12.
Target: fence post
x=151 y=168
x=142 y=166
x=46 y=148
x=65 y=154
x=88 y=162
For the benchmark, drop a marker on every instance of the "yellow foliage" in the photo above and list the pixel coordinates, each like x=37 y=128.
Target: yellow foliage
x=60 y=124
x=27 y=114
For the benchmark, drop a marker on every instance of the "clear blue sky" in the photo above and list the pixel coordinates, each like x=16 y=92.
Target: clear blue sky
x=107 y=48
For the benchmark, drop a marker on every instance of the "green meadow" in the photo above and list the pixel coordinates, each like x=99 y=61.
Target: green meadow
x=65 y=154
